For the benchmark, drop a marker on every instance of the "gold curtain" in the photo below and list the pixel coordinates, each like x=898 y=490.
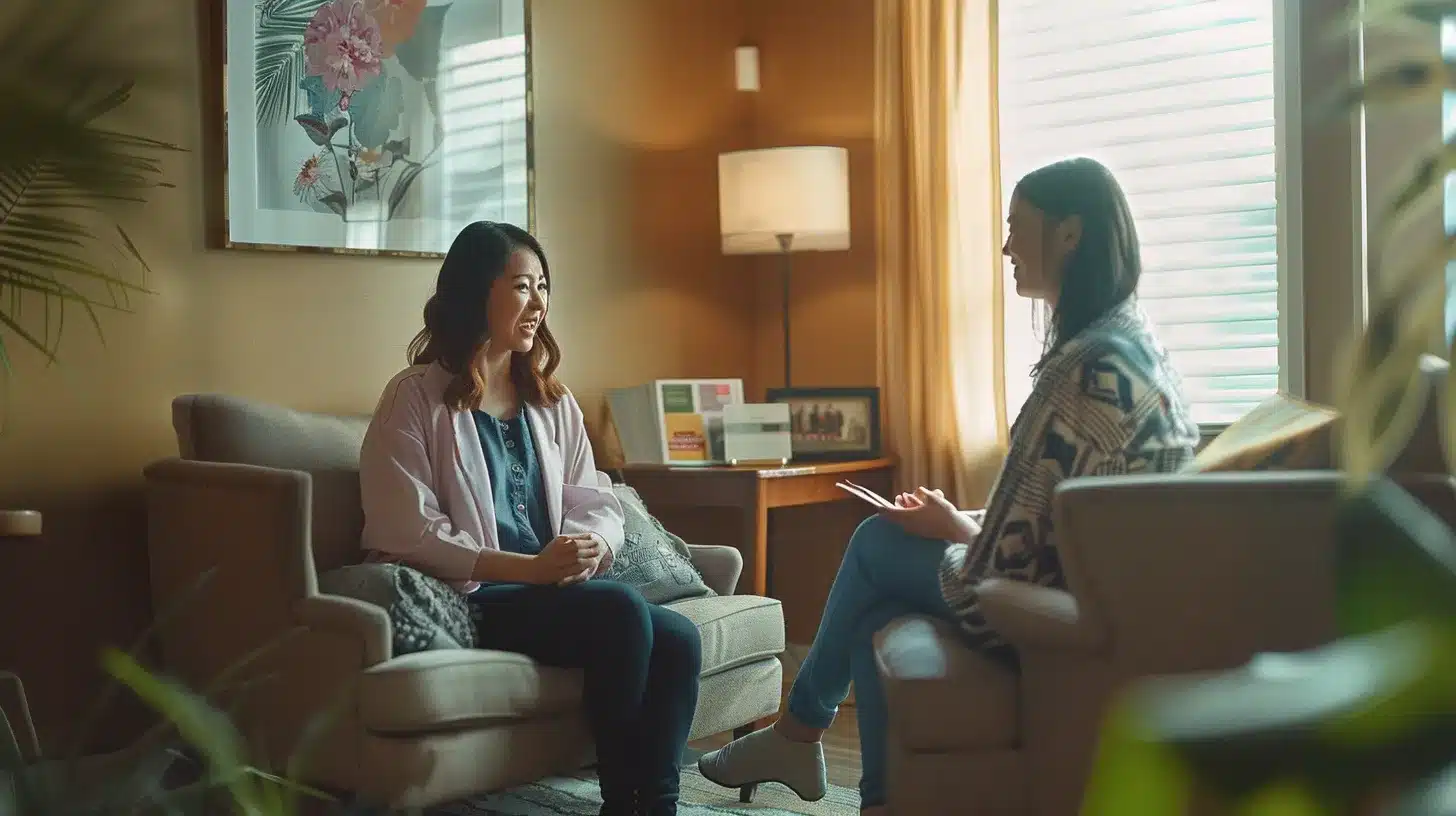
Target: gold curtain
x=941 y=369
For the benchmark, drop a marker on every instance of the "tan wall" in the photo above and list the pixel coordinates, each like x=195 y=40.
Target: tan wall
x=634 y=101
x=818 y=89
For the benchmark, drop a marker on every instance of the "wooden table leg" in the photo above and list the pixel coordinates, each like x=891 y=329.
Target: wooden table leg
x=756 y=541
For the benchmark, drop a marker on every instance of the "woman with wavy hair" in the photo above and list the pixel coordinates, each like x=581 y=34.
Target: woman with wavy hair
x=476 y=470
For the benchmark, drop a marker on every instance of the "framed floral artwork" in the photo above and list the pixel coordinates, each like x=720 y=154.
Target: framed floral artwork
x=367 y=126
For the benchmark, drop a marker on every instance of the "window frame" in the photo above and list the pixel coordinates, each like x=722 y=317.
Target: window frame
x=1289 y=196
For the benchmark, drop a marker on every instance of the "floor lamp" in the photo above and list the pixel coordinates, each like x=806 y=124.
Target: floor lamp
x=781 y=200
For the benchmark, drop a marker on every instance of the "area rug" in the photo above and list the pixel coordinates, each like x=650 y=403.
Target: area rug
x=578 y=796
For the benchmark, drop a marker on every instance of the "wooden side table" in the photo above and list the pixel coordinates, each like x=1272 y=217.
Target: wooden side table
x=754 y=491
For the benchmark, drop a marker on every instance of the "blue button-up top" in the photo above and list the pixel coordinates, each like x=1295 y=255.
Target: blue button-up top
x=521 y=521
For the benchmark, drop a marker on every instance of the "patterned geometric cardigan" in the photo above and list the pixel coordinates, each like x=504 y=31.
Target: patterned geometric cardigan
x=1108 y=402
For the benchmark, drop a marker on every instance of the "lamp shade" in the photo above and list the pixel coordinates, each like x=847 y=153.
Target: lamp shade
x=801 y=192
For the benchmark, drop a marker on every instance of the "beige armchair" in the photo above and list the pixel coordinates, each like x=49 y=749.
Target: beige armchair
x=265 y=498
x=1165 y=575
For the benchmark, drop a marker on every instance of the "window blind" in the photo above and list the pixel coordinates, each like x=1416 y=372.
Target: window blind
x=1176 y=97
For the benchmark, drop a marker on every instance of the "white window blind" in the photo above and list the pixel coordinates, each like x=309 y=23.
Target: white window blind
x=1176 y=97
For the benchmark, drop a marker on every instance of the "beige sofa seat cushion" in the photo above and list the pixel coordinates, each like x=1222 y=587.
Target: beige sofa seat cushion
x=450 y=689
x=944 y=696
x=735 y=629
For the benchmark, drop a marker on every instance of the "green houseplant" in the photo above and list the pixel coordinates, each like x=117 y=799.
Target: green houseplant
x=1365 y=726
x=66 y=66
x=194 y=737
x=192 y=762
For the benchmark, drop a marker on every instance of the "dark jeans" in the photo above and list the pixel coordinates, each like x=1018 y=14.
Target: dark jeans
x=640 y=664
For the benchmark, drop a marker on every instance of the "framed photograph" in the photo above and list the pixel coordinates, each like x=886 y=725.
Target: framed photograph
x=832 y=424
x=377 y=127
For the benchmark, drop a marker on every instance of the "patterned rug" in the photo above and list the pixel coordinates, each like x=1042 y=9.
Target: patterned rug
x=578 y=796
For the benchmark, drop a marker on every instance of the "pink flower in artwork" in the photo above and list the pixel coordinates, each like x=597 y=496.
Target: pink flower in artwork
x=342 y=46
x=310 y=175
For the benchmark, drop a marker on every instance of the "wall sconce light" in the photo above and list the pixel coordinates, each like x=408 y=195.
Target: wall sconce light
x=745 y=67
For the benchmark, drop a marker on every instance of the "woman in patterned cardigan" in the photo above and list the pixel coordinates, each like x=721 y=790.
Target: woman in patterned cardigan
x=1105 y=401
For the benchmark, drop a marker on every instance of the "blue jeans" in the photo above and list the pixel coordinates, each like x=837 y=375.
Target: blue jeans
x=640 y=667
x=887 y=573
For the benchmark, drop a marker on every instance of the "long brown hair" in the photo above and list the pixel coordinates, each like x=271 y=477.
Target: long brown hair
x=457 y=326
x=1104 y=269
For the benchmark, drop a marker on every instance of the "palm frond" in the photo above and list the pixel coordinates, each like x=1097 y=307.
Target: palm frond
x=63 y=71
x=289 y=12
x=1398 y=83
x=278 y=56
x=1384 y=390
x=1414 y=17
x=1424 y=182
x=199 y=723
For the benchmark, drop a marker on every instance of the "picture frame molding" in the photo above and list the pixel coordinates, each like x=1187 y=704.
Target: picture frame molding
x=212 y=39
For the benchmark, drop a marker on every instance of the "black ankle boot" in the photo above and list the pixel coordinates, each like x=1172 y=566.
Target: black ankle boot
x=621 y=808
x=657 y=805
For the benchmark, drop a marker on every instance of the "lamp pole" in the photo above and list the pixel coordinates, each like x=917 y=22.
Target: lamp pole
x=786 y=243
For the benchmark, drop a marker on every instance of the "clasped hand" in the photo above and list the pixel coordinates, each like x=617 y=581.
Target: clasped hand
x=568 y=559
x=928 y=514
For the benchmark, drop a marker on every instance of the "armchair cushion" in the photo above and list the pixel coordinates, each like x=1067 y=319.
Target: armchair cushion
x=735 y=629
x=945 y=696
x=450 y=689
x=1031 y=616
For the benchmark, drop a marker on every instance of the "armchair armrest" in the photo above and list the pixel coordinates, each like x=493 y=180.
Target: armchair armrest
x=215 y=514
x=720 y=566
x=351 y=618
x=246 y=530
x=1037 y=617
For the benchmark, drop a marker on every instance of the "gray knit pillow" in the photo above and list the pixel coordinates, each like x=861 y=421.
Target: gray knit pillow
x=424 y=613
x=651 y=559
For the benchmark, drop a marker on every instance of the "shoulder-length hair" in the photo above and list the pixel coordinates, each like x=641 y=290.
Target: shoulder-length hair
x=457 y=326
x=1103 y=270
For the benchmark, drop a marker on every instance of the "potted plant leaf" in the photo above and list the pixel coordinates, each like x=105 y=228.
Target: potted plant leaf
x=65 y=67
x=193 y=761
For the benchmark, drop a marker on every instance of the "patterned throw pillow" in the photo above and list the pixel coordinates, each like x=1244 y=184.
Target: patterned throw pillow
x=1282 y=433
x=425 y=613
x=651 y=559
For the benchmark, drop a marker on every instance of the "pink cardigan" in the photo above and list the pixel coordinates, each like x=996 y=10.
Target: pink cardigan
x=426 y=490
